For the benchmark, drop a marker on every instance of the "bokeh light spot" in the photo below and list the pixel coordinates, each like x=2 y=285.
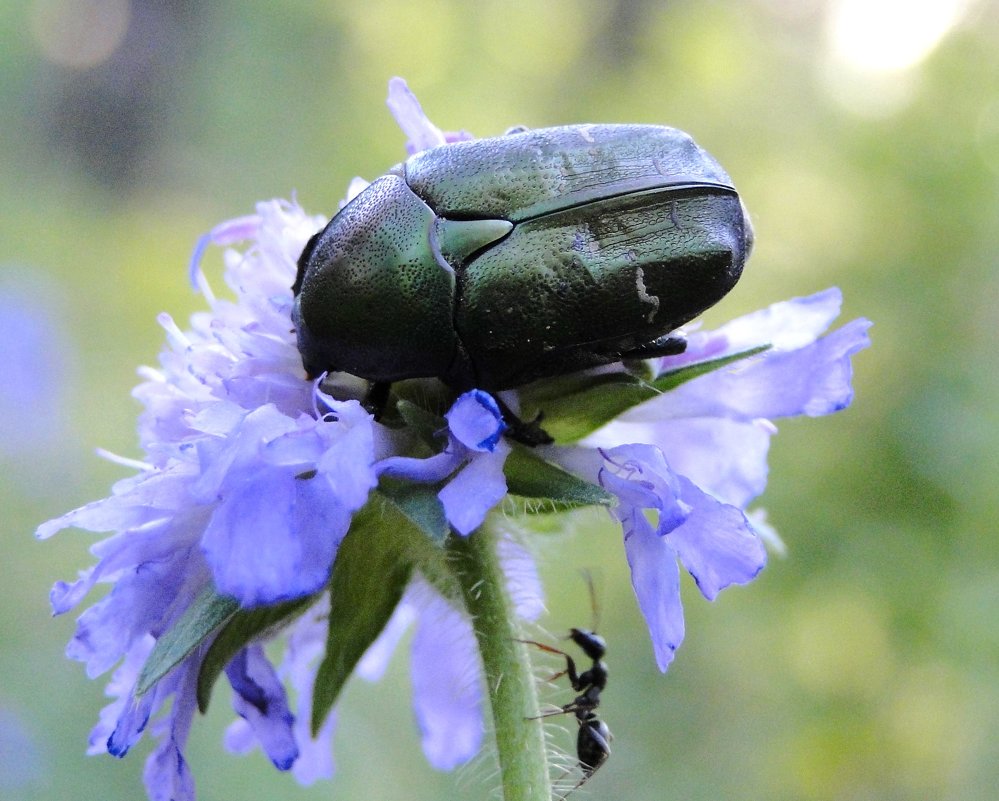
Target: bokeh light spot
x=889 y=35
x=79 y=33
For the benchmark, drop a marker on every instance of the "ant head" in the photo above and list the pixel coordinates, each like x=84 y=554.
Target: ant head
x=591 y=643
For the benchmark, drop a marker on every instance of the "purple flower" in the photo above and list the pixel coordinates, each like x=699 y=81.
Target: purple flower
x=305 y=643
x=409 y=116
x=703 y=460
x=249 y=481
x=475 y=428
x=252 y=478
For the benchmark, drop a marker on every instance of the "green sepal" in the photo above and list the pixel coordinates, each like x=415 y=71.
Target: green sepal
x=420 y=504
x=244 y=627
x=427 y=426
x=373 y=565
x=578 y=405
x=206 y=614
x=530 y=476
x=570 y=417
x=674 y=378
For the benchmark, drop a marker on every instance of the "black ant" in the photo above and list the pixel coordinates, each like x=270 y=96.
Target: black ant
x=593 y=740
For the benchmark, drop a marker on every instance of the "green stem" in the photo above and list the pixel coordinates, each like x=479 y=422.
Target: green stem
x=512 y=687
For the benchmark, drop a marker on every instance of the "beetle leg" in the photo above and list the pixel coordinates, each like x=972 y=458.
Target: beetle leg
x=666 y=345
x=374 y=402
x=529 y=433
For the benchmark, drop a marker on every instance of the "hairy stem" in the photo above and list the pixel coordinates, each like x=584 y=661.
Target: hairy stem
x=512 y=687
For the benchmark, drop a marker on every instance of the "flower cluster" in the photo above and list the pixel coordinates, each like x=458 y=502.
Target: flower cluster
x=264 y=503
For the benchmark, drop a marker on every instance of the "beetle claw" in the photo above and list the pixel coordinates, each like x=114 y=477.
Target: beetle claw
x=666 y=345
x=528 y=433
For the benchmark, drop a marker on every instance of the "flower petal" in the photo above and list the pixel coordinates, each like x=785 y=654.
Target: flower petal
x=787 y=325
x=641 y=479
x=725 y=457
x=409 y=116
x=306 y=647
x=476 y=421
x=250 y=544
x=655 y=578
x=716 y=543
x=373 y=664
x=259 y=699
x=813 y=380
x=447 y=694
x=167 y=775
x=470 y=495
x=523 y=583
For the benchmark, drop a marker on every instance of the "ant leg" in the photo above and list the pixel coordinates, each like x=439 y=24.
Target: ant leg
x=570 y=663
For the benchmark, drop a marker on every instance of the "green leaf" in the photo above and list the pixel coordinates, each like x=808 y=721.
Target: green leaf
x=530 y=476
x=576 y=406
x=674 y=378
x=372 y=567
x=244 y=627
x=420 y=504
x=207 y=613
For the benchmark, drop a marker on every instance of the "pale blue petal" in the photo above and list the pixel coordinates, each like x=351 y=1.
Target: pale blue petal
x=446 y=675
x=315 y=759
x=716 y=544
x=167 y=775
x=655 y=578
x=523 y=584
x=306 y=647
x=135 y=606
x=127 y=508
x=470 y=495
x=64 y=596
x=786 y=325
x=409 y=116
x=476 y=421
x=433 y=468
x=239 y=738
x=320 y=523
x=640 y=477
x=348 y=461
x=249 y=543
x=727 y=458
x=373 y=664
x=813 y=380
x=131 y=722
x=120 y=689
x=274 y=537
x=220 y=457
x=259 y=699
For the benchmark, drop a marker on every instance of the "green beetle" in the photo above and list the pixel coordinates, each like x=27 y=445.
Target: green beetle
x=494 y=262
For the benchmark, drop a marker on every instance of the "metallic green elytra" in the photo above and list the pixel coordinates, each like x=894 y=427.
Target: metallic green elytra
x=494 y=262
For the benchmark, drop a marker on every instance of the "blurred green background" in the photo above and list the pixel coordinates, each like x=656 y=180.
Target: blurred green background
x=864 y=137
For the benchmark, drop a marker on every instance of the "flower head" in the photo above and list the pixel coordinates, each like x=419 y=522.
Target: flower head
x=265 y=502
